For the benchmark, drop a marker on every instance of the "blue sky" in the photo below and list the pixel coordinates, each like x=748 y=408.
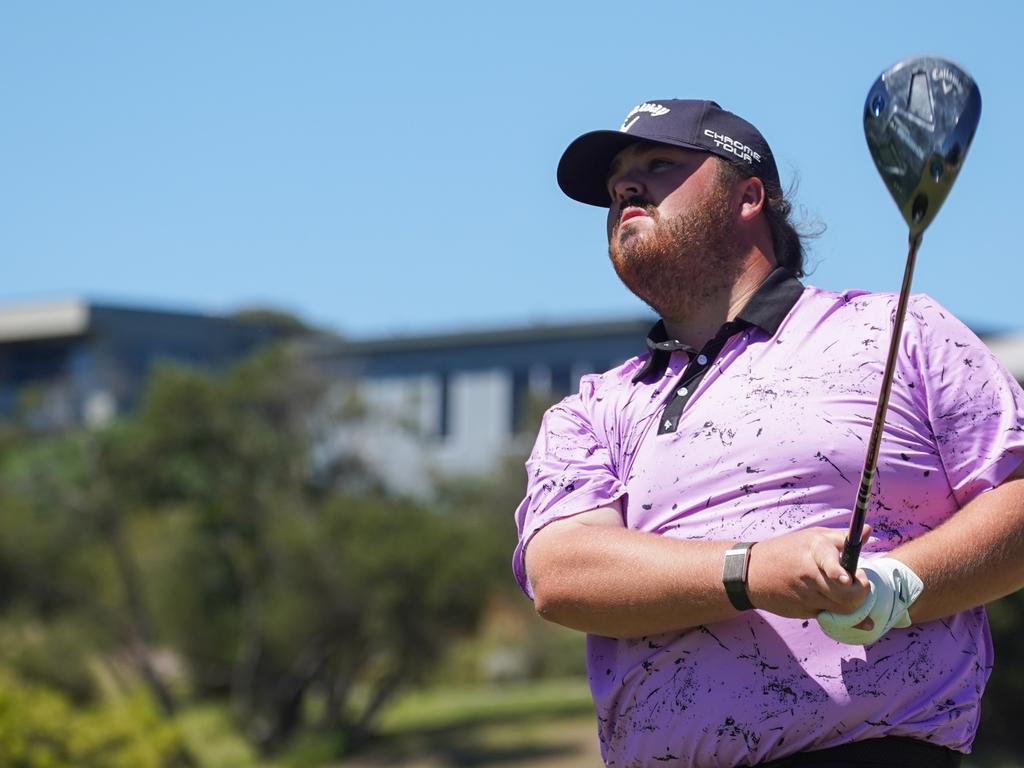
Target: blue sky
x=389 y=168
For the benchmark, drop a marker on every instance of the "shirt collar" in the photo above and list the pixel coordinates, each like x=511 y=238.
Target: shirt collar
x=766 y=309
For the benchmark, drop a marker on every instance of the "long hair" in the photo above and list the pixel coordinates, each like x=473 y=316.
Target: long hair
x=788 y=239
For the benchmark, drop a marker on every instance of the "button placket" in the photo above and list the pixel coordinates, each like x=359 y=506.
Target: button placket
x=691 y=377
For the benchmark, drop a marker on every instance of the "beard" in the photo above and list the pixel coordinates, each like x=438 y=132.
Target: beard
x=682 y=262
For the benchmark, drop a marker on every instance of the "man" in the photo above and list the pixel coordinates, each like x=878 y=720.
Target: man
x=746 y=421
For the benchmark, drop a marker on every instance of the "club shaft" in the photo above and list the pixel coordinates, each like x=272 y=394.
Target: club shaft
x=851 y=548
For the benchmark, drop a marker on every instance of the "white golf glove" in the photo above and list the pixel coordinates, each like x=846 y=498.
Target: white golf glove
x=894 y=588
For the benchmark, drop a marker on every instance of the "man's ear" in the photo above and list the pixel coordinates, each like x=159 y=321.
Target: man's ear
x=752 y=198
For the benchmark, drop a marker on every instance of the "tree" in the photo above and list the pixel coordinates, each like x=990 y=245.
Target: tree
x=66 y=549
x=210 y=528
x=303 y=577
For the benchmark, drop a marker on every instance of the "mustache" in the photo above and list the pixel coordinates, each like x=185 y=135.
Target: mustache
x=635 y=201
x=638 y=201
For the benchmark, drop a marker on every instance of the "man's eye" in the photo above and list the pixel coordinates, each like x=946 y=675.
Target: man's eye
x=659 y=163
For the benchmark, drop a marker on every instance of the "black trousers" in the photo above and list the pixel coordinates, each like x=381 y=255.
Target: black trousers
x=888 y=752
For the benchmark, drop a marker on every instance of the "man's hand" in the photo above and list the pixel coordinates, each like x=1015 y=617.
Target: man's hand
x=894 y=588
x=798 y=575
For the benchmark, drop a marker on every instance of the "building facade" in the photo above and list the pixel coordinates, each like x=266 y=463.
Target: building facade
x=456 y=404
x=449 y=404
x=74 y=362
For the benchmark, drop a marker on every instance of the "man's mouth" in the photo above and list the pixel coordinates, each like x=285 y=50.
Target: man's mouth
x=631 y=213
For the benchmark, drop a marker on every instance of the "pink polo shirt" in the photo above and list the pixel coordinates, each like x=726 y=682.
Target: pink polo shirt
x=772 y=439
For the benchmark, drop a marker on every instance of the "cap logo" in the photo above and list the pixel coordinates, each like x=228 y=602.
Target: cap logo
x=654 y=110
x=729 y=144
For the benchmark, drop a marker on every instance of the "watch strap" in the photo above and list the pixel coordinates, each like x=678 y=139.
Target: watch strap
x=734 y=575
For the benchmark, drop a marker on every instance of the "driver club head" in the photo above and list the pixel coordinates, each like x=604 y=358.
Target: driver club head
x=919 y=120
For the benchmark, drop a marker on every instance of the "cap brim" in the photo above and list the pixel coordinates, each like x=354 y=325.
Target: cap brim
x=583 y=169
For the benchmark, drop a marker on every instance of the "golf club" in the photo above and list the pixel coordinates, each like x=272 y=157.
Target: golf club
x=919 y=120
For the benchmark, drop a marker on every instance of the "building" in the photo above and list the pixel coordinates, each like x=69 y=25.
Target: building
x=457 y=403
x=73 y=362
x=445 y=404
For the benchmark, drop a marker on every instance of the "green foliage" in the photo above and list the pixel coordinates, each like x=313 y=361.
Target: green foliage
x=297 y=595
x=999 y=725
x=204 y=528
x=192 y=595
x=55 y=654
x=205 y=547
x=271 y=584
x=212 y=736
x=39 y=728
x=60 y=583
x=284 y=323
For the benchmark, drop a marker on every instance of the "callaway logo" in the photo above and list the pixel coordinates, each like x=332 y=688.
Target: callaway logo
x=654 y=110
x=729 y=144
x=948 y=78
x=901 y=587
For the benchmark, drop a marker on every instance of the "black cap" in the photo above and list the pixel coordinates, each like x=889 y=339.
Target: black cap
x=701 y=125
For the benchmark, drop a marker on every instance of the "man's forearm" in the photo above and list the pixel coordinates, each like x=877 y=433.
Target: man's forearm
x=974 y=557
x=590 y=573
x=624 y=583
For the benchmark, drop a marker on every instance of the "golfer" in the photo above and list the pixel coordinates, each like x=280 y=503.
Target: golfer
x=687 y=509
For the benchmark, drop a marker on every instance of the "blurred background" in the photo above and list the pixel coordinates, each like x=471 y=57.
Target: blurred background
x=286 y=289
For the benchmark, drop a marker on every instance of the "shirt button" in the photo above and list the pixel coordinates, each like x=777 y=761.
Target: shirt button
x=702 y=359
x=682 y=392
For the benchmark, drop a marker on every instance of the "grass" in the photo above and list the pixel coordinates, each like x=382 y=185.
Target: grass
x=212 y=738
x=465 y=705
x=547 y=724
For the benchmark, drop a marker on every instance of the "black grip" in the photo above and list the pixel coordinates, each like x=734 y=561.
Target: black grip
x=850 y=556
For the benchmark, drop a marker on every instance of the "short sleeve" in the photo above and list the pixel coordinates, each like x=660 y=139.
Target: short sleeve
x=974 y=406
x=569 y=471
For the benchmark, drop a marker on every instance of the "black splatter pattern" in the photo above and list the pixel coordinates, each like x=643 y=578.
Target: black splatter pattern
x=772 y=440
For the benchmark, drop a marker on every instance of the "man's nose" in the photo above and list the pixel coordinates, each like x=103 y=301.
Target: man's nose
x=626 y=186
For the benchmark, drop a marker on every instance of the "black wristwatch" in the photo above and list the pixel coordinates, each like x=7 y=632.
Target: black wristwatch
x=734 y=575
